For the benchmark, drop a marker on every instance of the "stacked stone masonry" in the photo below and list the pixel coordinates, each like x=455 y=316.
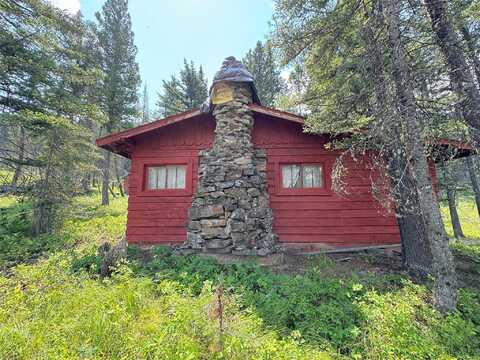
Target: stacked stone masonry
x=230 y=212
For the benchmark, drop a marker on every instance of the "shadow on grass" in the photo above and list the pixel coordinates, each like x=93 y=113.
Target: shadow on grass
x=16 y=243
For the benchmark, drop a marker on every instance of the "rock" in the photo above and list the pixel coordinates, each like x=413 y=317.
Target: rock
x=194 y=225
x=205 y=212
x=194 y=240
x=214 y=232
x=230 y=210
x=213 y=223
x=253 y=192
x=217 y=243
x=237 y=226
x=238 y=214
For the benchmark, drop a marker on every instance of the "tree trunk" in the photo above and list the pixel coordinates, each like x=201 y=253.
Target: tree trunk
x=472 y=51
x=112 y=190
x=445 y=286
x=21 y=156
x=452 y=206
x=460 y=73
x=43 y=206
x=86 y=183
x=416 y=254
x=42 y=217
x=106 y=177
x=474 y=181
x=119 y=181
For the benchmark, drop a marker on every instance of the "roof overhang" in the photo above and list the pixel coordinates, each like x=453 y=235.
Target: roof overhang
x=122 y=142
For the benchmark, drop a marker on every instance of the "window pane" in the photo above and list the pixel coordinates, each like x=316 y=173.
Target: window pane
x=312 y=176
x=291 y=176
x=152 y=178
x=287 y=176
x=171 y=177
x=302 y=176
x=162 y=177
x=181 y=177
x=296 y=176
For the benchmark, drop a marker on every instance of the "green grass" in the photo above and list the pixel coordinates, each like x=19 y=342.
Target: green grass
x=53 y=304
x=86 y=225
x=469 y=219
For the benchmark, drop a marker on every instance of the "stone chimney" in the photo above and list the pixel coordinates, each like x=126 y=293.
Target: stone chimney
x=231 y=212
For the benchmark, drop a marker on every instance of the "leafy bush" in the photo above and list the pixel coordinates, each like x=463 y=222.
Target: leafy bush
x=403 y=325
x=321 y=310
x=46 y=312
x=87 y=224
x=162 y=309
x=16 y=244
x=468 y=250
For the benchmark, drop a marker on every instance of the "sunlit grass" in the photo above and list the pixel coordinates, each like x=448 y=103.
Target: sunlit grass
x=7 y=200
x=469 y=218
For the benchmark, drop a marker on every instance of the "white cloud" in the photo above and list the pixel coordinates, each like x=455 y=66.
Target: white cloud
x=72 y=6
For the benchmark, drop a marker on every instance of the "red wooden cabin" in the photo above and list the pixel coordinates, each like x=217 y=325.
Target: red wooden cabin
x=310 y=217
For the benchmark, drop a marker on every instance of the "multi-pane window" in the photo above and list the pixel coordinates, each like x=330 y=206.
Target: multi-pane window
x=297 y=176
x=166 y=177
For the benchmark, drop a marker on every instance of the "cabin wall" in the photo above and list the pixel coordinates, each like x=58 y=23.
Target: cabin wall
x=163 y=218
x=308 y=221
x=324 y=219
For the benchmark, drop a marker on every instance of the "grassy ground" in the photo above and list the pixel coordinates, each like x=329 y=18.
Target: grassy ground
x=467 y=211
x=53 y=304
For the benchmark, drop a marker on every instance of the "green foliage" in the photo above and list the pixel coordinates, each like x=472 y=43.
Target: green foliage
x=184 y=93
x=467 y=211
x=471 y=250
x=402 y=325
x=50 y=74
x=261 y=63
x=160 y=304
x=16 y=242
x=86 y=225
x=54 y=314
x=372 y=319
x=118 y=62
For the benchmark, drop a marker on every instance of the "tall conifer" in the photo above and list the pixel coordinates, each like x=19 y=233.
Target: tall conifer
x=260 y=62
x=187 y=91
x=122 y=77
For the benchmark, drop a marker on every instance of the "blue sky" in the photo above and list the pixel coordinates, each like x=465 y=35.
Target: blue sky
x=205 y=31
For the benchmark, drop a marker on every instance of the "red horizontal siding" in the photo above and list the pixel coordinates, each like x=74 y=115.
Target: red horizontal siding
x=329 y=219
x=163 y=218
x=356 y=219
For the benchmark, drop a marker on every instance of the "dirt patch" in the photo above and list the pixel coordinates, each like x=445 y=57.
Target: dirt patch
x=366 y=263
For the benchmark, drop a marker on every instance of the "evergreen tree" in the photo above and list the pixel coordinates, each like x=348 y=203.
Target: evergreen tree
x=361 y=76
x=261 y=63
x=121 y=74
x=462 y=78
x=145 y=105
x=46 y=74
x=186 y=92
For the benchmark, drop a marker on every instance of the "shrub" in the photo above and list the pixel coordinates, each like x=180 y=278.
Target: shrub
x=46 y=312
x=403 y=325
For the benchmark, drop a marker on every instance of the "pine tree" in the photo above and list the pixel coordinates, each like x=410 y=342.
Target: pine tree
x=360 y=76
x=186 y=92
x=261 y=63
x=45 y=71
x=145 y=105
x=460 y=72
x=121 y=74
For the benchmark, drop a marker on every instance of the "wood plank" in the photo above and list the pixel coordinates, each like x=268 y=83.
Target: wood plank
x=340 y=230
x=164 y=230
x=342 y=239
x=323 y=205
